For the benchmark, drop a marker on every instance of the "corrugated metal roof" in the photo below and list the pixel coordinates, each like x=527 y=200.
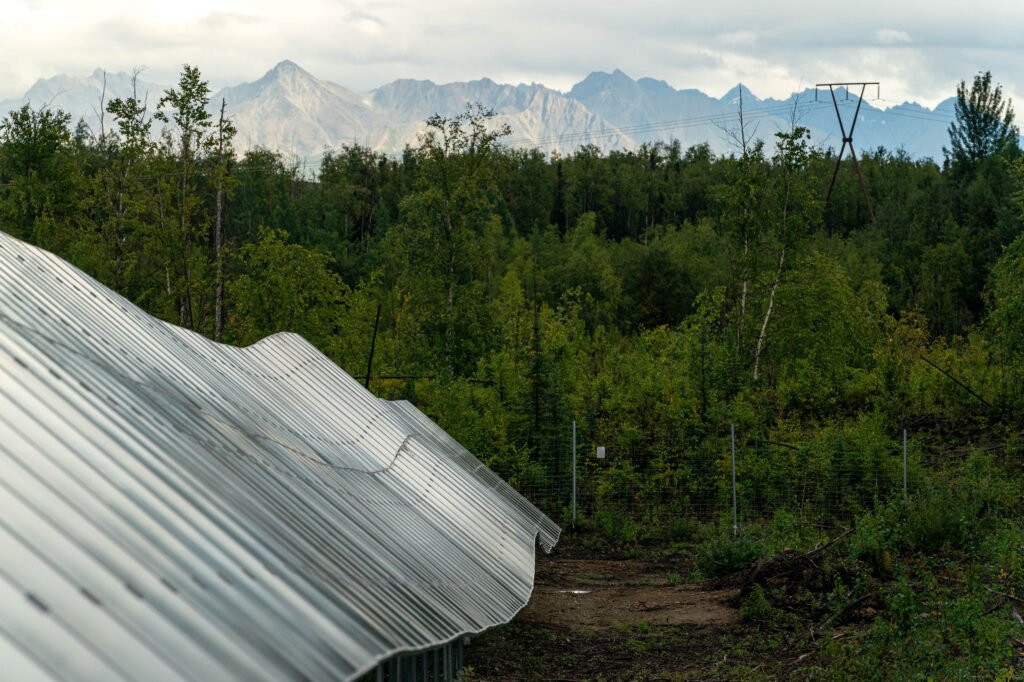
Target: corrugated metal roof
x=172 y=508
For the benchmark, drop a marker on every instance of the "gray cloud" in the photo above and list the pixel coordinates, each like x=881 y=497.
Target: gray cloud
x=226 y=21
x=357 y=17
x=919 y=50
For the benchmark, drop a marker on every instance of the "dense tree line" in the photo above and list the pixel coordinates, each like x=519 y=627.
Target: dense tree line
x=647 y=292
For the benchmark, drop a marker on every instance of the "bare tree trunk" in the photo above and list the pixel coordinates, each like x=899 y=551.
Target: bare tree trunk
x=186 y=299
x=449 y=234
x=450 y=326
x=218 y=294
x=168 y=258
x=768 y=312
x=743 y=293
x=778 y=277
x=102 y=113
x=118 y=240
x=218 y=237
x=743 y=127
x=740 y=139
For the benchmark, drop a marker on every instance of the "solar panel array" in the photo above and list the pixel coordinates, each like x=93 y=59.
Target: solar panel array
x=172 y=508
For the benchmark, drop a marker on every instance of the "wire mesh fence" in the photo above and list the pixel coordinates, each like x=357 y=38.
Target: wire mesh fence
x=637 y=484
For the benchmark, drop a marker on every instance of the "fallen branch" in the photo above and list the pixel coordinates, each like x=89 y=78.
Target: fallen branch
x=1004 y=595
x=786 y=564
x=817 y=647
x=828 y=544
x=998 y=605
x=846 y=609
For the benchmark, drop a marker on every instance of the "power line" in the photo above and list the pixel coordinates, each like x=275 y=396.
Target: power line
x=693 y=121
x=712 y=119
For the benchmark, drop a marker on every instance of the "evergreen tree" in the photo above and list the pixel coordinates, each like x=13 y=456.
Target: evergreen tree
x=984 y=123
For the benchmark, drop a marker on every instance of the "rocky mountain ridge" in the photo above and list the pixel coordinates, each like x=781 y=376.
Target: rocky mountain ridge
x=292 y=111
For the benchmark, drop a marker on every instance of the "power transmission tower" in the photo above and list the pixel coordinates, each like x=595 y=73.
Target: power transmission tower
x=847 y=138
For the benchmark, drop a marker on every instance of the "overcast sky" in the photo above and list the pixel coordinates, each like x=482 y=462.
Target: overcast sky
x=918 y=50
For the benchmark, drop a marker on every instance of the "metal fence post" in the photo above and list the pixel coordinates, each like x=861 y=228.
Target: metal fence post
x=732 y=447
x=573 y=473
x=904 y=463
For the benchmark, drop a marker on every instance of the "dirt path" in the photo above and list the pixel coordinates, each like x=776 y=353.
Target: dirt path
x=593 y=594
x=609 y=620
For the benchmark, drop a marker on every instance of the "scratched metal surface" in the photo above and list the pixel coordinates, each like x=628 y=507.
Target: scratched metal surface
x=172 y=508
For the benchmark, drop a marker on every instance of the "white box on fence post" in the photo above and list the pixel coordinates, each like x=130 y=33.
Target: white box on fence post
x=600 y=452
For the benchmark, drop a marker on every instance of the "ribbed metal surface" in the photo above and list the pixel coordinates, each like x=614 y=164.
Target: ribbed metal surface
x=172 y=508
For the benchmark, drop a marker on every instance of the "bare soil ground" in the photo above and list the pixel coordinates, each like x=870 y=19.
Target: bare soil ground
x=601 y=594
x=609 y=619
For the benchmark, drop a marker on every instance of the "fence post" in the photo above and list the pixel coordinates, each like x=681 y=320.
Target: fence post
x=573 y=473
x=732 y=447
x=904 y=463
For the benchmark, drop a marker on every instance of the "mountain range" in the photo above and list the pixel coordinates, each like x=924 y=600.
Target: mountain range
x=293 y=112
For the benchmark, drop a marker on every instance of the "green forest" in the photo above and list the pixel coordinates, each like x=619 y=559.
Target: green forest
x=657 y=297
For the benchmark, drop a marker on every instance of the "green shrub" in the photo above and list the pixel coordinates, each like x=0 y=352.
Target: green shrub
x=935 y=520
x=1003 y=551
x=915 y=640
x=876 y=540
x=617 y=527
x=786 y=530
x=755 y=608
x=725 y=554
x=679 y=529
x=957 y=510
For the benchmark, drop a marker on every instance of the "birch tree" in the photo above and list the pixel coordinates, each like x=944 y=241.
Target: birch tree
x=185 y=108
x=793 y=212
